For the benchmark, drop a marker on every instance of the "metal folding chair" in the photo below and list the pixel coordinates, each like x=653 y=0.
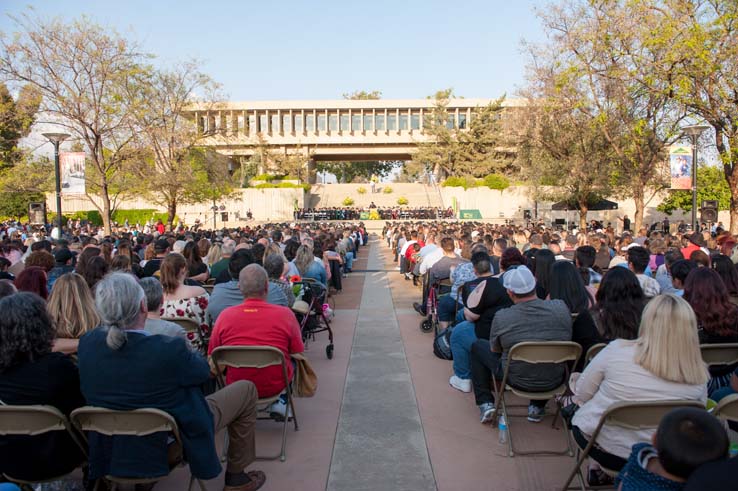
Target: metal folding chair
x=535 y=352
x=628 y=415
x=593 y=351
x=727 y=408
x=719 y=354
x=32 y=420
x=258 y=357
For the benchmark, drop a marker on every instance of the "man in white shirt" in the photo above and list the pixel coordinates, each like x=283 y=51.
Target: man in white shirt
x=638 y=258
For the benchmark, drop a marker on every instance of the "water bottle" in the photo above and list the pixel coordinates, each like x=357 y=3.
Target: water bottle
x=502 y=428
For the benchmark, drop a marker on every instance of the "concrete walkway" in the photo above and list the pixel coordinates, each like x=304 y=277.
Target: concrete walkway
x=380 y=442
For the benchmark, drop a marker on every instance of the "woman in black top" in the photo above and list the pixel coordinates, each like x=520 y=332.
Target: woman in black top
x=197 y=270
x=717 y=317
x=566 y=284
x=31 y=374
x=542 y=263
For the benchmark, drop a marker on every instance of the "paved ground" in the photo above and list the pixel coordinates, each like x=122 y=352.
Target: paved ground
x=384 y=416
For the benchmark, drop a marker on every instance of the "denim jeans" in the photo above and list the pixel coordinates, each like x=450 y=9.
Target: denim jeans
x=462 y=338
x=349 y=259
x=447 y=308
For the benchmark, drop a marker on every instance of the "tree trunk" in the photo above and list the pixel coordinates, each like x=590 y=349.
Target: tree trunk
x=171 y=212
x=106 y=211
x=733 y=185
x=639 y=208
x=583 y=209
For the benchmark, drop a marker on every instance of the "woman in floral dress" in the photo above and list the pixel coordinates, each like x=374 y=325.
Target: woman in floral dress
x=180 y=300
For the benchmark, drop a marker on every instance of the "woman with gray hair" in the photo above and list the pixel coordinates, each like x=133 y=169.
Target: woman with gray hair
x=121 y=303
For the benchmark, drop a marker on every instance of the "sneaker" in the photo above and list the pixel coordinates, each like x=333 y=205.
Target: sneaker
x=278 y=409
x=535 y=413
x=487 y=412
x=462 y=384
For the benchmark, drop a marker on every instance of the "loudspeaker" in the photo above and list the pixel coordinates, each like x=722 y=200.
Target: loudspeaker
x=527 y=215
x=710 y=203
x=708 y=215
x=37 y=213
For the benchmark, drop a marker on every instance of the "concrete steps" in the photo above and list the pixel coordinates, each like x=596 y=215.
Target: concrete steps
x=332 y=195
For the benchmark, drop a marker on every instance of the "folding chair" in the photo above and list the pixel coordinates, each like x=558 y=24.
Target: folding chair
x=593 y=351
x=258 y=357
x=35 y=420
x=627 y=415
x=727 y=408
x=719 y=354
x=194 y=333
x=139 y=422
x=535 y=352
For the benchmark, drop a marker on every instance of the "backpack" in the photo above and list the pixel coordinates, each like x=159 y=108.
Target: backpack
x=442 y=344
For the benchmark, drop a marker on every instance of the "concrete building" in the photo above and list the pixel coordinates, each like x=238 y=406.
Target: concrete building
x=337 y=130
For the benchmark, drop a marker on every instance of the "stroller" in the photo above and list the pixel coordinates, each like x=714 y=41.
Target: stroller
x=311 y=314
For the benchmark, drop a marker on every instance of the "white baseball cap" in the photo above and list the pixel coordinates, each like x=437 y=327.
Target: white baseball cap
x=519 y=280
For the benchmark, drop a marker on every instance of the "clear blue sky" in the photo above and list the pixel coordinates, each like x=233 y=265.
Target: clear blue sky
x=320 y=49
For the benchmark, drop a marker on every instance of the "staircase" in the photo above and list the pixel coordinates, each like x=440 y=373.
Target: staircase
x=332 y=195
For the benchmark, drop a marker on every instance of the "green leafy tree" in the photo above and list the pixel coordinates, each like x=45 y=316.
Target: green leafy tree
x=80 y=71
x=600 y=47
x=16 y=118
x=363 y=95
x=559 y=143
x=711 y=185
x=438 y=152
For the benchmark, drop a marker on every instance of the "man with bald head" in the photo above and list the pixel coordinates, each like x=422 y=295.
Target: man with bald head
x=255 y=322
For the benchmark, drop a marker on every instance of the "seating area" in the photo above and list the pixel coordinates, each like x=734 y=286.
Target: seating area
x=383 y=388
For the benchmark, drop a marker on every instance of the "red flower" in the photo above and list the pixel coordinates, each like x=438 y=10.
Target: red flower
x=180 y=313
x=294 y=278
x=202 y=302
x=191 y=336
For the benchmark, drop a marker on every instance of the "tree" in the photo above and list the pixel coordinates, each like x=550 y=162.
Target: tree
x=363 y=171
x=16 y=118
x=80 y=70
x=700 y=70
x=157 y=101
x=711 y=185
x=437 y=153
x=601 y=45
x=363 y=95
x=561 y=151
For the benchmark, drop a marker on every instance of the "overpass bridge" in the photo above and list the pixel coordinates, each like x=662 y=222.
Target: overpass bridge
x=328 y=130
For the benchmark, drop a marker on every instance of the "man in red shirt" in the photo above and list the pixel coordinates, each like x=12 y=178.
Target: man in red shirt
x=258 y=323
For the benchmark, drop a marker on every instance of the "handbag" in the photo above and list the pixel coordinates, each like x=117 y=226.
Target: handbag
x=305 y=383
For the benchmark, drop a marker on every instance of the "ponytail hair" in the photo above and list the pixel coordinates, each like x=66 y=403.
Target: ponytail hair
x=118 y=299
x=116 y=338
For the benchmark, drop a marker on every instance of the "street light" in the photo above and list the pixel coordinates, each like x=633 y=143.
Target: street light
x=56 y=139
x=694 y=131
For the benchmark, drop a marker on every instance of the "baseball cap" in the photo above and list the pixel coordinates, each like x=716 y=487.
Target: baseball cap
x=161 y=245
x=519 y=280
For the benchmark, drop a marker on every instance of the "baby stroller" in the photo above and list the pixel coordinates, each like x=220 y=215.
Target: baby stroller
x=311 y=314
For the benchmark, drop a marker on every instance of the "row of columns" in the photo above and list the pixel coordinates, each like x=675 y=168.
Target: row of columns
x=249 y=123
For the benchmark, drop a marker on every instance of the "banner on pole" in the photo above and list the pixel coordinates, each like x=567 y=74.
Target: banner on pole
x=72 y=170
x=680 y=166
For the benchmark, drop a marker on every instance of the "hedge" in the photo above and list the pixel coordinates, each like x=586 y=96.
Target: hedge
x=492 y=181
x=269 y=185
x=120 y=216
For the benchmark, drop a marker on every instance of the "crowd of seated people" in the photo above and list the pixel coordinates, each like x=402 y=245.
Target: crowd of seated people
x=382 y=213
x=92 y=320
x=652 y=299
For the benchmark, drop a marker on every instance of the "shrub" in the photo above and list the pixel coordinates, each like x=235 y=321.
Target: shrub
x=402 y=200
x=387 y=190
x=119 y=216
x=269 y=177
x=348 y=201
x=361 y=190
x=271 y=185
x=465 y=182
x=496 y=181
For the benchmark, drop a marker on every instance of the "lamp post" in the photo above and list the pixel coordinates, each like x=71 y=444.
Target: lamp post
x=694 y=131
x=56 y=139
x=215 y=212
